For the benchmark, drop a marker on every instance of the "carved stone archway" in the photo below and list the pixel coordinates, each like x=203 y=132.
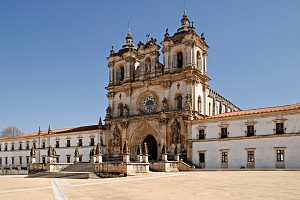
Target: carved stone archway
x=139 y=135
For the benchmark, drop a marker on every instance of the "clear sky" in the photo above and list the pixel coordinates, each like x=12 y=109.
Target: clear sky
x=53 y=67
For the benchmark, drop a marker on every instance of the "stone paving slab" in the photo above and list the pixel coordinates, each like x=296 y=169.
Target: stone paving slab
x=181 y=185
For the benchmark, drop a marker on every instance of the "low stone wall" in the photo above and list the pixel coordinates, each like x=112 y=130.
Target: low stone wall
x=122 y=168
x=42 y=167
x=185 y=167
x=13 y=172
x=165 y=166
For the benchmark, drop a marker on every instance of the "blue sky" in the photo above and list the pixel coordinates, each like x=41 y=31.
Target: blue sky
x=53 y=67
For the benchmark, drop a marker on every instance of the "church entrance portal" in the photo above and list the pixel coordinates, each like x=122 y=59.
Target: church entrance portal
x=152 y=147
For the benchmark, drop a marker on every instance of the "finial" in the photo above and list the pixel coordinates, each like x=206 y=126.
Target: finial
x=39 y=130
x=147 y=36
x=192 y=24
x=49 y=129
x=100 y=121
x=112 y=51
x=120 y=96
x=202 y=37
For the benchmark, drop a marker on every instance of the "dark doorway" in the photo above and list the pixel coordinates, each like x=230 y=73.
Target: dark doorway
x=152 y=147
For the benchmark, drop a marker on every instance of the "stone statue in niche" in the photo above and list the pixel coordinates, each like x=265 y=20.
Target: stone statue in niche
x=137 y=72
x=126 y=111
x=188 y=102
x=108 y=113
x=50 y=151
x=175 y=127
x=164 y=105
x=147 y=66
x=126 y=147
x=116 y=137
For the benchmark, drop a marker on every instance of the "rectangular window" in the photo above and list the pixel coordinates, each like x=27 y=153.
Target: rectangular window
x=20 y=160
x=34 y=145
x=0 y=160
x=12 y=160
x=12 y=147
x=92 y=141
x=250 y=130
x=0 y=148
x=224 y=132
x=6 y=160
x=44 y=145
x=202 y=157
x=280 y=155
x=68 y=159
x=57 y=159
x=68 y=143
x=250 y=156
x=20 y=146
x=27 y=145
x=224 y=157
x=80 y=142
x=5 y=148
x=279 y=128
x=57 y=144
x=44 y=159
x=201 y=134
x=27 y=160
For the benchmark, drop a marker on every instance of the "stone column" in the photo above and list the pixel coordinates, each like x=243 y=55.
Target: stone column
x=145 y=153
x=164 y=155
x=126 y=154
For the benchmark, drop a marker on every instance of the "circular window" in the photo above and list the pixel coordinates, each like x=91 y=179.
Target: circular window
x=148 y=103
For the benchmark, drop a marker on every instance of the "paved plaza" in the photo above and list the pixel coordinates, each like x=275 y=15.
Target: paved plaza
x=182 y=185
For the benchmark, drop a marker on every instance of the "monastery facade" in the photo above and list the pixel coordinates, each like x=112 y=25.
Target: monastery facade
x=170 y=106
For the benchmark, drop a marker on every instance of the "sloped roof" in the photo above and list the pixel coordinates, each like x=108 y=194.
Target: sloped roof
x=257 y=111
x=57 y=131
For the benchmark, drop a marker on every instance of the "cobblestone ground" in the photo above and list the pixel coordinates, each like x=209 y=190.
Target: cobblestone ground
x=181 y=185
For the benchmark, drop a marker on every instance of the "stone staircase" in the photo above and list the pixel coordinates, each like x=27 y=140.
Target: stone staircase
x=75 y=171
x=79 y=167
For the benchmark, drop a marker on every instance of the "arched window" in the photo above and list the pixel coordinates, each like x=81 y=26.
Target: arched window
x=179 y=60
x=122 y=73
x=199 y=104
x=179 y=102
x=121 y=110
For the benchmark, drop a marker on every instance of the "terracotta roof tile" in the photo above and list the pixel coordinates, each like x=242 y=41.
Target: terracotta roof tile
x=257 y=111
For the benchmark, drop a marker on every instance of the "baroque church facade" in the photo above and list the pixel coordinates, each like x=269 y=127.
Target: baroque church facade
x=152 y=102
x=170 y=107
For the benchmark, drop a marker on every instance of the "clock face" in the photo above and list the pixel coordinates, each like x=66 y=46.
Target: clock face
x=148 y=103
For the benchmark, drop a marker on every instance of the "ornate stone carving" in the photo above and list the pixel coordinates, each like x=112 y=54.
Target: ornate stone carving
x=175 y=127
x=110 y=94
x=166 y=85
x=76 y=153
x=93 y=152
x=126 y=147
x=32 y=152
x=50 y=151
x=145 y=149
x=188 y=102
x=126 y=111
x=125 y=124
x=98 y=149
x=139 y=150
x=108 y=113
x=165 y=105
x=116 y=137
